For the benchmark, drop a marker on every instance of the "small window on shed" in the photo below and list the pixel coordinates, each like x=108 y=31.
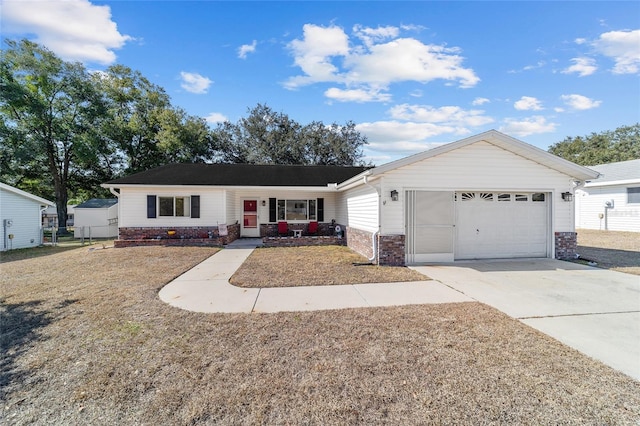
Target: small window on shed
x=504 y=197
x=633 y=195
x=537 y=197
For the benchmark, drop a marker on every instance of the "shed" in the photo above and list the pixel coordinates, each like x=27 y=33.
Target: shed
x=612 y=201
x=96 y=218
x=21 y=214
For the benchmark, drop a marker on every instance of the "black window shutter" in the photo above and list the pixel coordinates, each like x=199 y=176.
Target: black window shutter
x=195 y=206
x=272 y=209
x=320 y=207
x=151 y=206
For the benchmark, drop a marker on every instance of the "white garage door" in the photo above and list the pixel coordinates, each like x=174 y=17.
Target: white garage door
x=501 y=225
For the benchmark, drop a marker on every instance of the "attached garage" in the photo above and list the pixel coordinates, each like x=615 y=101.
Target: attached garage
x=489 y=196
x=459 y=225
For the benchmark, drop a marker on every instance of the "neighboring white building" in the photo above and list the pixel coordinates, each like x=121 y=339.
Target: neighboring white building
x=486 y=196
x=611 y=202
x=50 y=216
x=96 y=218
x=21 y=216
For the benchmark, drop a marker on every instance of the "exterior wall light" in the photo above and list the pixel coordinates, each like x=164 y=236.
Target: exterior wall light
x=567 y=196
x=394 y=195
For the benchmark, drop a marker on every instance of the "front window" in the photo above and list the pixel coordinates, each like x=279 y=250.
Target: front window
x=174 y=206
x=292 y=210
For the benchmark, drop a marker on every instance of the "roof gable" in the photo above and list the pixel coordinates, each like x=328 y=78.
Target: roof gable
x=240 y=175
x=502 y=141
x=25 y=194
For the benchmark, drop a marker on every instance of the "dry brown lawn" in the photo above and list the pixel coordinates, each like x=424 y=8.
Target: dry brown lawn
x=615 y=250
x=86 y=340
x=325 y=265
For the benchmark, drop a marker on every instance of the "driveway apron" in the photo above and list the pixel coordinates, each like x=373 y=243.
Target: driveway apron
x=593 y=310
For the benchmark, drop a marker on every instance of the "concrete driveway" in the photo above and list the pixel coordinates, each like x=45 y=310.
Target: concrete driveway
x=593 y=310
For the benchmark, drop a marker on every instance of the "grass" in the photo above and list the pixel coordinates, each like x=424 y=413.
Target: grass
x=86 y=340
x=327 y=265
x=615 y=250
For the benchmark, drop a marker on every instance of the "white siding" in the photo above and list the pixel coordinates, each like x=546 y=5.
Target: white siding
x=479 y=166
x=133 y=207
x=26 y=217
x=96 y=222
x=360 y=205
x=590 y=203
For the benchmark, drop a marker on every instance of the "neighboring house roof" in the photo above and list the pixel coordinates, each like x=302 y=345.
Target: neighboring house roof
x=617 y=173
x=239 y=175
x=98 y=203
x=17 y=191
x=500 y=140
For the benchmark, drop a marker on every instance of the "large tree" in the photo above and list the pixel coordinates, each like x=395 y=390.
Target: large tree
x=48 y=109
x=269 y=137
x=620 y=144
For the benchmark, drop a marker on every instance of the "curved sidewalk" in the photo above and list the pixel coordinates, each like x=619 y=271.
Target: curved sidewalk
x=206 y=288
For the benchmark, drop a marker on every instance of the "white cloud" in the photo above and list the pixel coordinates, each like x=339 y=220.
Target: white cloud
x=449 y=115
x=579 y=102
x=314 y=52
x=370 y=36
x=216 y=117
x=529 y=126
x=581 y=66
x=194 y=82
x=245 y=49
x=396 y=132
x=480 y=101
x=528 y=103
x=75 y=30
x=623 y=47
x=356 y=95
x=327 y=54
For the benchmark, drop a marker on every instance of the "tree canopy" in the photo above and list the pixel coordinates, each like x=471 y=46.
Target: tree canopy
x=621 y=144
x=269 y=137
x=64 y=130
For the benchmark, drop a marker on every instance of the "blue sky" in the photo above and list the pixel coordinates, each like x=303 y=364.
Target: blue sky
x=411 y=75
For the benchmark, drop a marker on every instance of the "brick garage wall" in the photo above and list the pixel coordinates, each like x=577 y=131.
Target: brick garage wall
x=360 y=242
x=566 y=245
x=184 y=236
x=391 y=250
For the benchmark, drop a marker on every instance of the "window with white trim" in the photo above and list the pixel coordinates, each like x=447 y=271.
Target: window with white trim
x=174 y=206
x=292 y=210
x=633 y=195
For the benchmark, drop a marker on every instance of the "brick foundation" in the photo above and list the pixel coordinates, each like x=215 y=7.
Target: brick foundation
x=271 y=229
x=183 y=236
x=566 y=245
x=303 y=241
x=391 y=250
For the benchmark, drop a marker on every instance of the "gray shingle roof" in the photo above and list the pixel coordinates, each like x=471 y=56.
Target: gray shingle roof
x=240 y=175
x=622 y=170
x=97 y=203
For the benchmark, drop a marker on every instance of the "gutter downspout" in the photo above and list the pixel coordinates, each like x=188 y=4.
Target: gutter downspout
x=117 y=194
x=365 y=181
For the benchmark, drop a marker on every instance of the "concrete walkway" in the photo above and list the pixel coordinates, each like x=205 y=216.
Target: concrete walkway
x=206 y=288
